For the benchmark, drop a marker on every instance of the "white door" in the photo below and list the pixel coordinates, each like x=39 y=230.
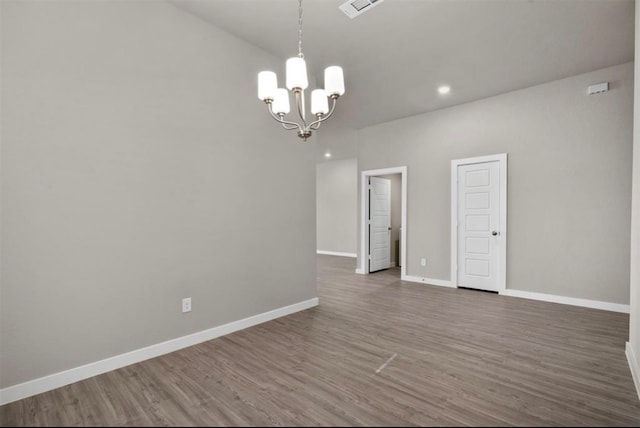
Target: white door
x=478 y=225
x=379 y=223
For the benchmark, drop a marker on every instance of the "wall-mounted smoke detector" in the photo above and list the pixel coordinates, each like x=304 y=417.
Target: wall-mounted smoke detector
x=353 y=8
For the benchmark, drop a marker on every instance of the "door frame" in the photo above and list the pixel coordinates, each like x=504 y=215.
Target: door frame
x=502 y=249
x=363 y=267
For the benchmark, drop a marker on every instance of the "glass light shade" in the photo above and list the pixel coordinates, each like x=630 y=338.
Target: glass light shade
x=319 y=103
x=333 y=80
x=267 y=85
x=297 y=73
x=281 y=101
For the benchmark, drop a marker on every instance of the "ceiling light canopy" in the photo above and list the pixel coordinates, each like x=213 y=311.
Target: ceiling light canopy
x=277 y=99
x=444 y=89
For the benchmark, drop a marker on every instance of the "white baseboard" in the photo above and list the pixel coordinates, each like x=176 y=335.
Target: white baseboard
x=633 y=365
x=360 y=271
x=56 y=380
x=336 y=253
x=430 y=281
x=594 y=304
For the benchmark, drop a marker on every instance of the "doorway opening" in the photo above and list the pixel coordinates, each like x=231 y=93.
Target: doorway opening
x=383 y=224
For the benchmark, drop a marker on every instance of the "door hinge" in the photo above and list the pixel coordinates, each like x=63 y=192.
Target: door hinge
x=369 y=256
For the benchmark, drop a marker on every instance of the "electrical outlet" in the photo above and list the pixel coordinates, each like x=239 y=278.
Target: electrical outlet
x=423 y=262
x=186 y=304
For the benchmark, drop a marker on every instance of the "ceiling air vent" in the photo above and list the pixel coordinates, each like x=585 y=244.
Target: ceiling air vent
x=353 y=8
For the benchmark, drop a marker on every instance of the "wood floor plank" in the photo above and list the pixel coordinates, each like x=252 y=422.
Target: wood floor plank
x=376 y=352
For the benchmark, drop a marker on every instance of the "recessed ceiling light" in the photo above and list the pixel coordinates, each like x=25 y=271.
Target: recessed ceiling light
x=327 y=155
x=444 y=89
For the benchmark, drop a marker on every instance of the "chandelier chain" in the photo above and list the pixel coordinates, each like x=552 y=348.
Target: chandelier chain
x=300 y=54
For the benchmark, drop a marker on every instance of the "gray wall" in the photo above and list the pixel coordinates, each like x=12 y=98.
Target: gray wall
x=138 y=167
x=337 y=205
x=396 y=214
x=336 y=135
x=569 y=181
x=634 y=321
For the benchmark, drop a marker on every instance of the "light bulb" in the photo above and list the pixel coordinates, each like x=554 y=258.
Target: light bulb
x=319 y=103
x=267 y=85
x=281 y=101
x=334 y=80
x=296 y=73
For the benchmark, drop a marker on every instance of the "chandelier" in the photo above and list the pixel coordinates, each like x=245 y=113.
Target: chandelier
x=277 y=99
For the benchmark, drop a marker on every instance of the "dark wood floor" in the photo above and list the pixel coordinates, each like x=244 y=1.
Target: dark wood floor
x=377 y=351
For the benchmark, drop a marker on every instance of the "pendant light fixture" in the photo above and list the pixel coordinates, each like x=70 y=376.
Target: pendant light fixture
x=277 y=99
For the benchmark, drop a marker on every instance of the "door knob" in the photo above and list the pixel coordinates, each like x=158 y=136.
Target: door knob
x=494 y=233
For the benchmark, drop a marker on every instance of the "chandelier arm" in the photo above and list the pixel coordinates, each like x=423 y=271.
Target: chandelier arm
x=290 y=128
x=315 y=125
x=324 y=117
x=293 y=125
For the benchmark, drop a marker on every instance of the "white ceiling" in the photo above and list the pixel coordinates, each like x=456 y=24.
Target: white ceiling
x=397 y=54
